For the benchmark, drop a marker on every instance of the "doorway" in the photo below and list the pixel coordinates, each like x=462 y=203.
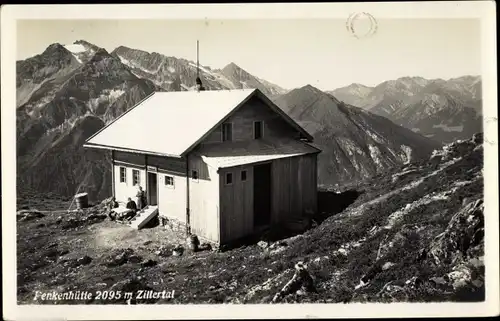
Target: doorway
x=152 y=189
x=262 y=194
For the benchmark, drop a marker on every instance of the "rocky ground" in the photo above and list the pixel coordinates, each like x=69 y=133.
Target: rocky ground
x=412 y=235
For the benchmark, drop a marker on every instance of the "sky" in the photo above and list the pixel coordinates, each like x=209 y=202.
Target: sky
x=288 y=52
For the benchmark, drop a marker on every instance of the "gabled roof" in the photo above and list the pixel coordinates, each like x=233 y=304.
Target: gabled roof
x=173 y=123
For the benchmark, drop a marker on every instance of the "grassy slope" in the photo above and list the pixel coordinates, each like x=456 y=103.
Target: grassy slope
x=251 y=275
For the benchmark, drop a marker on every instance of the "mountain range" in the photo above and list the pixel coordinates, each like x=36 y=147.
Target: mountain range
x=355 y=144
x=443 y=110
x=174 y=74
x=68 y=92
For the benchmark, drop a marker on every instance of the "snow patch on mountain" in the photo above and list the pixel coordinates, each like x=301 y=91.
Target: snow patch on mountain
x=130 y=64
x=350 y=147
x=75 y=48
x=407 y=153
x=107 y=96
x=126 y=62
x=375 y=137
x=375 y=154
x=205 y=70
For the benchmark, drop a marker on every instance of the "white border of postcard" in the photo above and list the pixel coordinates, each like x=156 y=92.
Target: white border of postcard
x=483 y=10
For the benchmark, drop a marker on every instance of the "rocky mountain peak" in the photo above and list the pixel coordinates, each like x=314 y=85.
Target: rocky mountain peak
x=231 y=65
x=55 y=48
x=311 y=88
x=233 y=68
x=100 y=54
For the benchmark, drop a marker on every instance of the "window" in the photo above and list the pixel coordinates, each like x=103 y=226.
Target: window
x=229 y=178
x=227 y=132
x=194 y=174
x=258 y=129
x=135 y=177
x=123 y=175
x=169 y=181
x=243 y=176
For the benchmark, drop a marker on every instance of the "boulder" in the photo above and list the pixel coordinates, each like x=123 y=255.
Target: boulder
x=301 y=282
x=263 y=244
x=464 y=233
x=84 y=260
x=460 y=277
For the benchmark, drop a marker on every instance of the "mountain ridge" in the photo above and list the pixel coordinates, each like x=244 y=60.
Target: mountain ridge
x=444 y=110
x=356 y=144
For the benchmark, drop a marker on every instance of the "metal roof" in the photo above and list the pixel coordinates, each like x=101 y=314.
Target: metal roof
x=173 y=123
x=248 y=152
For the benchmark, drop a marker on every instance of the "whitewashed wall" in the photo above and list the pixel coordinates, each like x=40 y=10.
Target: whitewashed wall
x=172 y=199
x=126 y=189
x=204 y=200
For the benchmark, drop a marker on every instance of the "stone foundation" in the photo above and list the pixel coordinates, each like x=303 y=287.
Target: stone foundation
x=179 y=228
x=172 y=224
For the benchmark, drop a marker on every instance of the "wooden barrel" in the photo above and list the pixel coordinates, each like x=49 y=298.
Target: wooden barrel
x=82 y=200
x=193 y=242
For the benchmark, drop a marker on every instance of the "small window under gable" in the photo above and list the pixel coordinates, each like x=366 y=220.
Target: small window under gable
x=243 y=175
x=227 y=132
x=123 y=175
x=258 y=129
x=194 y=174
x=229 y=178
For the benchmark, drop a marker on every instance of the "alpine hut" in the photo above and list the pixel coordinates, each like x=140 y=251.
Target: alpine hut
x=221 y=164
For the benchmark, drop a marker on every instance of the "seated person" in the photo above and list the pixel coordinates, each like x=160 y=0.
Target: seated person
x=132 y=207
x=112 y=205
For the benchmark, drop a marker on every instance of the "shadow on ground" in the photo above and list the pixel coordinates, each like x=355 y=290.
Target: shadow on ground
x=329 y=203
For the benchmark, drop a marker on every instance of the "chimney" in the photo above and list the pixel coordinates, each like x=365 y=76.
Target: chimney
x=199 y=84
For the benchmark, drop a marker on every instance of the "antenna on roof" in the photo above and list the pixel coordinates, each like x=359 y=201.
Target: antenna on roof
x=199 y=85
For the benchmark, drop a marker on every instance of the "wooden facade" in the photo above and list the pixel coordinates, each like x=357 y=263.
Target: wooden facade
x=293 y=194
x=243 y=121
